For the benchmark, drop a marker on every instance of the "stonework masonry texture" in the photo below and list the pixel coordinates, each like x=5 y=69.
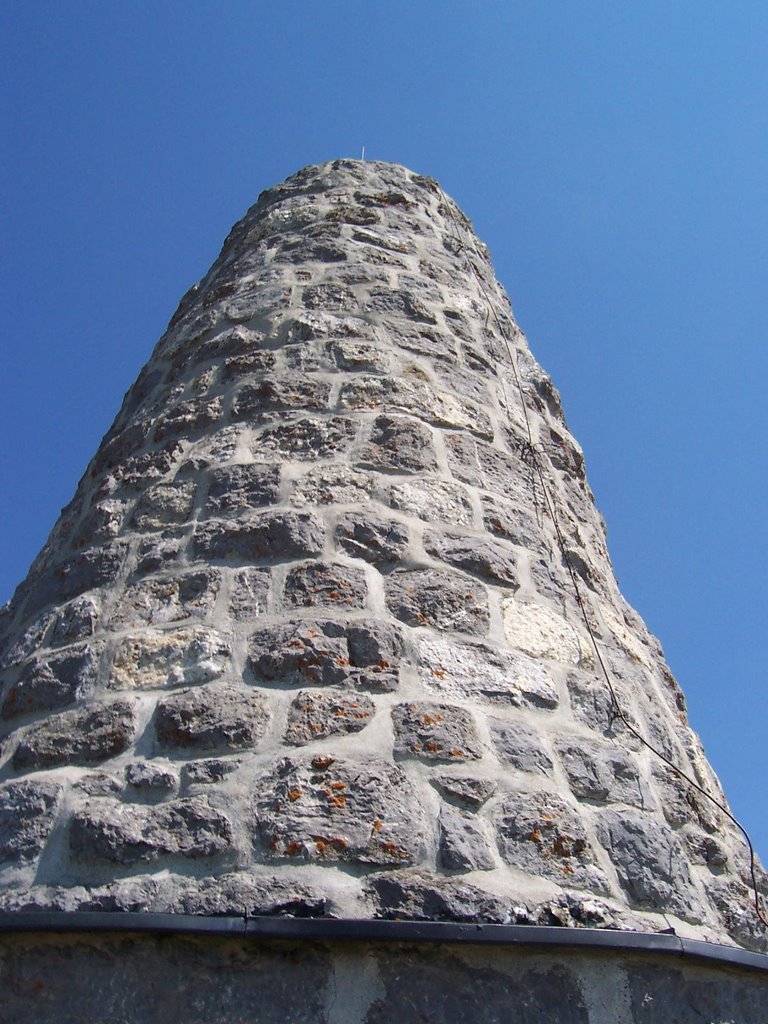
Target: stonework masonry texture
x=304 y=641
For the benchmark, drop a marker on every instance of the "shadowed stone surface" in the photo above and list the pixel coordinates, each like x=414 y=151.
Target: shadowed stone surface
x=305 y=639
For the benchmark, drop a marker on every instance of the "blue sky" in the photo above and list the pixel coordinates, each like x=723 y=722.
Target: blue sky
x=614 y=158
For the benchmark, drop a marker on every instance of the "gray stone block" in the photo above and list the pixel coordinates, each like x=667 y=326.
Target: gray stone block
x=160 y=599
x=251 y=401
x=487 y=559
x=364 y=534
x=315 y=715
x=421 y=896
x=434 y=500
x=325 y=585
x=306 y=440
x=541 y=834
x=233 y=490
x=53 y=682
x=435 y=732
x=434 y=597
x=106 y=831
x=211 y=718
x=465 y=790
x=248 y=594
x=81 y=736
x=397 y=444
x=165 y=505
x=180 y=657
x=327 y=809
x=601 y=773
x=27 y=816
x=518 y=745
x=464 y=843
x=273 y=536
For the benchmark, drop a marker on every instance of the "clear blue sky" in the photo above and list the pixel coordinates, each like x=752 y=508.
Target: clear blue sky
x=614 y=157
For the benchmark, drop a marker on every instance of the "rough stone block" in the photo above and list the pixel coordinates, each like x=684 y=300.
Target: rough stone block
x=398 y=445
x=402 y=303
x=463 y=844
x=602 y=773
x=465 y=790
x=188 y=418
x=53 y=682
x=329 y=298
x=85 y=571
x=481 y=672
x=360 y=356
x=541 y=834
x=510 y=521
x=326 y=809
x=211 y=718
x=157 y=552
x=291 y=393
x=328 y=485
x=81 y=736
x=650 y=862
x=273 y=536
x=518 y=745
x=208 y=771
x=433 y=500
x=152 y=777
x=322 y=584
x=161 y=599
x=248 y=594
x=435 y=732
x=364 y=534
x=132 y=834
x=313 y=715
x=364 y=654
x=443 y=600
x=542 y=633
x=418 y=896
x=306 y=440
x=75 y=621
x=234 y=490
x=183 y=657
x=487 y=559
x=101 y=524
x=27 y=815
x=164 y=505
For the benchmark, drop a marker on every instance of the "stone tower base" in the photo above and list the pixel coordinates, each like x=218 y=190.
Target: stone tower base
x=142 y=969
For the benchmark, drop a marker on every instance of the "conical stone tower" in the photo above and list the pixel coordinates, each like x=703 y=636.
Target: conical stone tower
x=314 y=640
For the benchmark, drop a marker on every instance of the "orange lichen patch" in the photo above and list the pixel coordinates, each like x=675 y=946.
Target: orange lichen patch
x=438 y=672
x=457 y=753
x=294 y=794
x=535 y=835
x=393 y=850
x=320 y=762
x=431 y=745
x=383 y=663
x=341 y=661
x=431 y=719
x=561 y=847
x=293 y=848
x=377 y=826
x=338 y=785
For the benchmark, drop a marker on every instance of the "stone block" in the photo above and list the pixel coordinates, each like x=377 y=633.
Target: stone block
x=160 y=599
x=164 y=505
x=329 y=485
x=235 y=490
x=400 y=303
x=291 y=392
x=248 y=594
x=325 y=585
x=101 y=524
x=435 y=732
x=542 y=633
x=602 y=773
x=511 y=522
x=487 y=559
x=242 y=893
x=84 y=571
x=398 y=445
x=27 y=816
x=418 y=896
x=242 y=366
x=314 y=715
x=81 y=736
x=188 y=418
x=360 y=356
x=433 y=500
x=442 y=600
x=650 y=862
x=182 y=657
x=157 y=552
x=211 y=718
x=463 y=843
x=541 y=834
x=326 y=809
x=151 y=777
x=306 y=439
x=465 y=790
x=75 y=621
x=267 y=536
x=518 y=745
x=53 y=682
x=313 y=324
x=412 y=395
x=364 y=654
x=107 y=831
x=208 y=771
x=329 y=298
x=374 y=538
x=482 y=672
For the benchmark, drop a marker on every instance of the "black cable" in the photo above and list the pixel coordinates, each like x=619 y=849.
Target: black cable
x=531 y=455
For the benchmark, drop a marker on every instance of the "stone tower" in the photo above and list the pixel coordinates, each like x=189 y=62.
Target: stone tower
x=328 y=643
